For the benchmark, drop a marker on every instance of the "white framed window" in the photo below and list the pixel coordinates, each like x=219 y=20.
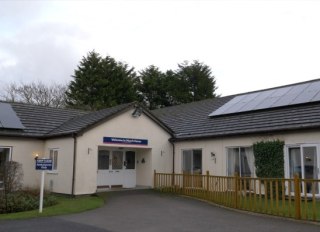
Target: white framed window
x=192 y=161
x=304 y=160
x=240 y=161
x=53 y=155
x=5 y=155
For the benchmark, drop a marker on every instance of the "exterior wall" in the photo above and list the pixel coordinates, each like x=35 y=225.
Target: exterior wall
x=24 y=151
x=143 y=170
x=219 y=146
x=60 y=181
x=124 y=126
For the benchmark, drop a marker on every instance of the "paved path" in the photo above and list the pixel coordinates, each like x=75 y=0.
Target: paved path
x=144 y=210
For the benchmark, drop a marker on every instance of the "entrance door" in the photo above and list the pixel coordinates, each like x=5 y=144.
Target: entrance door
x=116 y=169
x=304 y=161
x=103 y=167
x=130 y=170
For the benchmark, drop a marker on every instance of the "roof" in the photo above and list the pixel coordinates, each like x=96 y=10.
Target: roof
x=45 y=122
x=86 y=121
x=183 y=122
x=191 y=121
x=39 y=120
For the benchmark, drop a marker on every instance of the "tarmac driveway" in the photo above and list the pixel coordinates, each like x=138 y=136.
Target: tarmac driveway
x=146 y=210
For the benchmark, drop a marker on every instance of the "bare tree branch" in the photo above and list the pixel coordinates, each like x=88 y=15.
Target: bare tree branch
x=36 y=93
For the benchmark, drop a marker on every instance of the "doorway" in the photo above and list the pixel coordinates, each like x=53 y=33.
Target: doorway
x=116 y=168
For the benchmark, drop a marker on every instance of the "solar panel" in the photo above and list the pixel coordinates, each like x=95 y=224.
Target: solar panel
x=8 y=118
x=308 y=94
x=282 y=96
x=291 y=95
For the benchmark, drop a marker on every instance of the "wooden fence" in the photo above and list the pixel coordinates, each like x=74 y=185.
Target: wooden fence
x=296 y=198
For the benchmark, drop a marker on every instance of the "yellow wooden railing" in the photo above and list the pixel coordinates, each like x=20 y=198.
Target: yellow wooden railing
x=296 y=198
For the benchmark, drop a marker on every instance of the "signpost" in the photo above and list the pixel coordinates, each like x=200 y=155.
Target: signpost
x=43 y=165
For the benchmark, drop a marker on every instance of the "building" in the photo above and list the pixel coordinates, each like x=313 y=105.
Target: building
x=123 y=145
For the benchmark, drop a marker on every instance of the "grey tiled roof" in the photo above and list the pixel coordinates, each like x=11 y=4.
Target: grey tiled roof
x=39 y=120
x=191 y=121
x=88 y=120
x=186 y=121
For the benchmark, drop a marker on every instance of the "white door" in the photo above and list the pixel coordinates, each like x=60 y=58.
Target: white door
x=116 y=168
x=130 y=170
x=103 y=168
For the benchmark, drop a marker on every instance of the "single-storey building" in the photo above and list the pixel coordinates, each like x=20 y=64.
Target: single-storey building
x=122 y=146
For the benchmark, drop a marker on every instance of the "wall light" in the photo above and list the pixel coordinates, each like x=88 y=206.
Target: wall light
x=36 y=156
x=213 y=157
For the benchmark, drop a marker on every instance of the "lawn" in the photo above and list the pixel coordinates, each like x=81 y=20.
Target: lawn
x=66 y=205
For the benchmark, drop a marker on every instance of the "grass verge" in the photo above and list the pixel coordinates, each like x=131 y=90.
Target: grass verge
x=66 y=205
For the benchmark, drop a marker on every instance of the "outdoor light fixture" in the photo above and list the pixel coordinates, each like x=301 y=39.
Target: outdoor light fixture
x=213 y=157
x=36 y=156
x=137 y=112
x=143 y=161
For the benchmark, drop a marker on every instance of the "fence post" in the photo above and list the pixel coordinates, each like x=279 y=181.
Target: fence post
x=207 y=185
x=184 y=179
x=236 y=187
x=154 y=179
x=297 y=196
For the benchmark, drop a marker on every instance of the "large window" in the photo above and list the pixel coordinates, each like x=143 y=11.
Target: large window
x=192 y=161
x=304 y=161
x=53 y=155
x=5 y=155
x=240 y=161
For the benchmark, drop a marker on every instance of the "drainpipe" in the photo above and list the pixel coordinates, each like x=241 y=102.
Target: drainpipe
x=173 y=156
x=74 y=163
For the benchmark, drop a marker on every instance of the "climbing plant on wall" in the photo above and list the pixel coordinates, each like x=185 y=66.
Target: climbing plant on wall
x=269 y=159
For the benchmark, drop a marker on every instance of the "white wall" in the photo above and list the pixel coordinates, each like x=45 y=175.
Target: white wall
x=24 y=151
x=60 y=181
x=124 y=126
x=219 y=145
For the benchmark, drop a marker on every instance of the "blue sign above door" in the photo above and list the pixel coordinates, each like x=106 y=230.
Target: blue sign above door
x=126 y=141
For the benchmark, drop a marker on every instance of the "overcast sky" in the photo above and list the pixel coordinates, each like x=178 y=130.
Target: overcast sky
x=249 y=45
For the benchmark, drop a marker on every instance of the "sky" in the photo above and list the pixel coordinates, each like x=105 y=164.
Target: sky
x=249 y=45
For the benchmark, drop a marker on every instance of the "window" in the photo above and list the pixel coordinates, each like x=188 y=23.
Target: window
x=53 y=155
x=192 y=161
x=240 y=161
x=130 y=161
x=5 y=155
x=103 y=160
x=303 y=160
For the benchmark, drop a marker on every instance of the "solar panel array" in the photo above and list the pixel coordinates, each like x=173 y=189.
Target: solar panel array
x=283 y=96
x=8 y=118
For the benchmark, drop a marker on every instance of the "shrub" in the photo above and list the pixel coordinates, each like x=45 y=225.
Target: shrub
x=25 y=200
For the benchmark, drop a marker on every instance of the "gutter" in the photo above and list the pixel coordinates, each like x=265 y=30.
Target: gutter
x=74 y=136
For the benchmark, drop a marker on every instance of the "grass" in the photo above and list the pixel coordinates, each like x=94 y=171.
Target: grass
x=66 y=205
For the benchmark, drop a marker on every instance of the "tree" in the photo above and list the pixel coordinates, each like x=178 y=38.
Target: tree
x=100 y=83
x=36 y=93
x=192 y=82
x=154 y=88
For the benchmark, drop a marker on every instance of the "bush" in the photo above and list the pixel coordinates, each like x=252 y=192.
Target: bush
x=25 y=200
